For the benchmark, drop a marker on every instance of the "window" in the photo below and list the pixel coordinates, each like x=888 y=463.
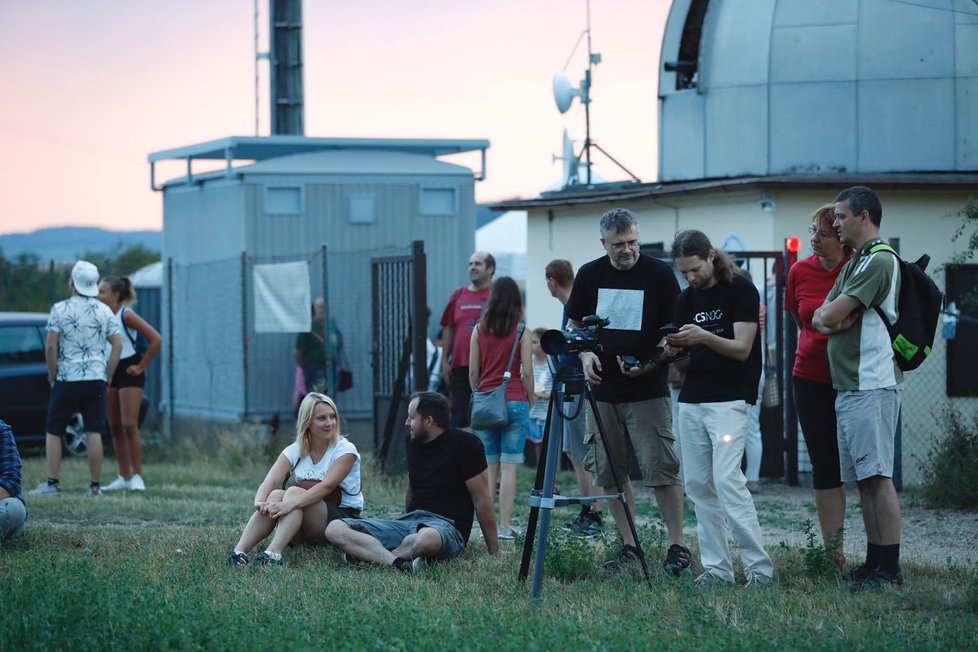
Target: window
x=962 y=352
x=20 y=345
x=283 y=200
x=687 y=64
x=362 y=209
x=438 y=201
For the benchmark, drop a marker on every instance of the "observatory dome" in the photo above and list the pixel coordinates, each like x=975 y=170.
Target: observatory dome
x=775 y=87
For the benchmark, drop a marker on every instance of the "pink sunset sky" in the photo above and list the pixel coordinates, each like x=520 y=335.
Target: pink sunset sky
x=91 y=88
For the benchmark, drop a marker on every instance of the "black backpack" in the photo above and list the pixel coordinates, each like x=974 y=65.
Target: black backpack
x=918 y=307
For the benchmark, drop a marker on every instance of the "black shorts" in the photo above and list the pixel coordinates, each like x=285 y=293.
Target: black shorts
x=461 y=395
x=120 y=379
x=85 y=396
x=815 y=403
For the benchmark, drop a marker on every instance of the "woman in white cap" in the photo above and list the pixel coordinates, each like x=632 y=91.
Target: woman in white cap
x=78 y=329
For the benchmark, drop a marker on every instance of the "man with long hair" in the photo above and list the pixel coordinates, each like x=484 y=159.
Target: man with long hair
x=717 y=316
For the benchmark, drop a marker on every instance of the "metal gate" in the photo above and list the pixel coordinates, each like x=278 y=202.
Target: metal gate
x=399 y=318
x=779 y=424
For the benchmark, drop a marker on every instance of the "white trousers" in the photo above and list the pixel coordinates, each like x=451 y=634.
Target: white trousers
x=713 y=446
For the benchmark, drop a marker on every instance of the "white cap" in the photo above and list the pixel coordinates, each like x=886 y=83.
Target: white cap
x=85 y=277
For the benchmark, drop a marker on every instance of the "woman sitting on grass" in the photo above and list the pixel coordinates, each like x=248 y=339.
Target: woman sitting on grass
x=327 y=471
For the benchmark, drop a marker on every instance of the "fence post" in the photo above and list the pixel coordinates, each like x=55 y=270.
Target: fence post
x=329 y=371
x=420 y=326
x=169 y=346
x=244 y=332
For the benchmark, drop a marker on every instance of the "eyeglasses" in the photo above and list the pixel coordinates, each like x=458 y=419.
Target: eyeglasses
x=621 y=246
x=822 y=235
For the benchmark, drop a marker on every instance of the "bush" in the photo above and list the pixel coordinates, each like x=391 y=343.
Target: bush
x=949 y=471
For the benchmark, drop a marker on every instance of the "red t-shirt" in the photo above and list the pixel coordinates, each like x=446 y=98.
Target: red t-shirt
x=461 y=314
x=494 y=353
x=808 y=285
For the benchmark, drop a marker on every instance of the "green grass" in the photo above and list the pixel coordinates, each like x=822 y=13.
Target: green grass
x=147 y=571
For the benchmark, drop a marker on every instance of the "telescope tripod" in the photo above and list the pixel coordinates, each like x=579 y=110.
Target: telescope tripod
x=566 y=386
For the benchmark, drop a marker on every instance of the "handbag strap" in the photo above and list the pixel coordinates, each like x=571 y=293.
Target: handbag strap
x=512 y=354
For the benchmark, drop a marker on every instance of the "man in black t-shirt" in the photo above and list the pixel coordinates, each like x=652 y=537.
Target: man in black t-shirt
x=717 y=317
x=637 y=294
x=447 y=482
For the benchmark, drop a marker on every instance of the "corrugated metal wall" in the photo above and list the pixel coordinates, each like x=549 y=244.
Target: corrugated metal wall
x=215 y=223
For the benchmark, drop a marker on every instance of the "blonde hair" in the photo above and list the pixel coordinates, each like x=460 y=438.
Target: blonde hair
x=304 y=418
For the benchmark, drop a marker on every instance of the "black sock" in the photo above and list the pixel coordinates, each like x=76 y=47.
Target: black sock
x=890 y=558
x=872 y=555
x=53 y=482
x=95 y=484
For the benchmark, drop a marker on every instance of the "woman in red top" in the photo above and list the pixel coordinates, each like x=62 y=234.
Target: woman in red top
x=809 y=281
x=489 y=350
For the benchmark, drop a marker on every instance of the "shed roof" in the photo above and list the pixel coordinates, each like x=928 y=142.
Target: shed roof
x=261 y=148
x=355 y=161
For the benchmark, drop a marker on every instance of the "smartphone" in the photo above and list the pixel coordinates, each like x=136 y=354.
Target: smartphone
x=668 y=329
x=630 y=361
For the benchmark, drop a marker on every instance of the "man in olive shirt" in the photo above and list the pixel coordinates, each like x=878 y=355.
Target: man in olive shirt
x=868 y=381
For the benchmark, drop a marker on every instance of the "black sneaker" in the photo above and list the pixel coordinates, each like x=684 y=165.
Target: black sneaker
x=858 y=574
x=266 y=559
x=626 y=554
x=577 y=524
x=878 y=580
x=237 y=558
x=677 y=560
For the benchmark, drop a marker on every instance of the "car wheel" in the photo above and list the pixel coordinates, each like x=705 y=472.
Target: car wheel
x=75 y=440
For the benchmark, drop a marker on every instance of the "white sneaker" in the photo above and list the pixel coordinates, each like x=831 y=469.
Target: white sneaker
x=137 y=484
x=117 y=484
x=46 y=489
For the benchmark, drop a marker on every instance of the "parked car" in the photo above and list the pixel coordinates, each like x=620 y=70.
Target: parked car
x=24 y=384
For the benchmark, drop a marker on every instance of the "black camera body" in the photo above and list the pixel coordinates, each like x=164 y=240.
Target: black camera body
x=558 y=342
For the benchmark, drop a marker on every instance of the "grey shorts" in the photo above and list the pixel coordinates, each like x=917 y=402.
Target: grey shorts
x=866 y=422
x=575 y=430
x=643 y=430
x=392 y=533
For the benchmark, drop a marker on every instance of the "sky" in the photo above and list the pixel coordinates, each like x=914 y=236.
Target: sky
x=91 y=88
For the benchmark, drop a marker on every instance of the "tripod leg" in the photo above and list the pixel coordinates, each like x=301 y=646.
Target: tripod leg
x=618 y=484
x=531 y=524
x=552 y=459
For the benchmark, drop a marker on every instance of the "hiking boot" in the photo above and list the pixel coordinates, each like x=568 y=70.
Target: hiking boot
x=626 y=554
x=756 y=581
x=879 y=579
x=117 y=484
x=709 y=580
x=677 y=560
x=137 y=484
x=266 y=559
x=46 y=489
x=236 y=558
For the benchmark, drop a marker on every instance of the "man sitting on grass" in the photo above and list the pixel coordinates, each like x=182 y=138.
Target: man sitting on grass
x=13 y=512
x=447 y=482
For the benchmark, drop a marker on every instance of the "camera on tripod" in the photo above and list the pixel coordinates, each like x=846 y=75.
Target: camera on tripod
x=558 y=342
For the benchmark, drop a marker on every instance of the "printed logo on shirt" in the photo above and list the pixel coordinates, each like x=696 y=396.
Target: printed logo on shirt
x=622 y=307
x=708 y=316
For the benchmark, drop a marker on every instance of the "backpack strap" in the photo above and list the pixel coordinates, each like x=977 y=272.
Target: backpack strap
x=125 y=328
x=882 y=246
x=512 y=354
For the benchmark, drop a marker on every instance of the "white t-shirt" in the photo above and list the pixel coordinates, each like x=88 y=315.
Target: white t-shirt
x=83 y=324
x=306 y=469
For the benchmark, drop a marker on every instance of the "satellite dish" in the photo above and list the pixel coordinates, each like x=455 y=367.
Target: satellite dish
x=564 y=92
x=570 y=161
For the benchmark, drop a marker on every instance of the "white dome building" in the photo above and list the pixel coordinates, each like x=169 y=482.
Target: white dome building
x=776 y=87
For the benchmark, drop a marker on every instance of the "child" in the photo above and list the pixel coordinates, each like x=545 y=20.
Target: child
x=542 y=382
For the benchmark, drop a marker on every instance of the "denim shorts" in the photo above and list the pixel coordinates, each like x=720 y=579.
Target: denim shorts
x=392 y=533
x=506 y=444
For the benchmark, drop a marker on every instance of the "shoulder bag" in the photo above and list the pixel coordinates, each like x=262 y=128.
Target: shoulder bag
x=487 y=410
